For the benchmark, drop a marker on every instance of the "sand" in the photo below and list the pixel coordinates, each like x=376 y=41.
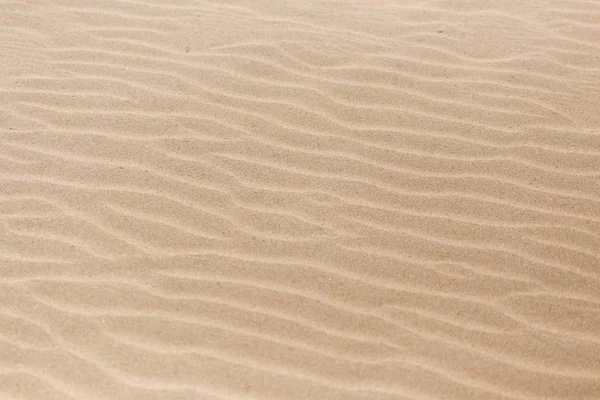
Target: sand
x=299 y=199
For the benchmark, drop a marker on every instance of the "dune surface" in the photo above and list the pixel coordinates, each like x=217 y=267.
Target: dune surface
x=300 y=199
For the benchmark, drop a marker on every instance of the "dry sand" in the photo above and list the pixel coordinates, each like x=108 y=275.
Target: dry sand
x=299 y=199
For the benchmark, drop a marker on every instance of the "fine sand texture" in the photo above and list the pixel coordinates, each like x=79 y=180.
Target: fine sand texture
x=322 y=199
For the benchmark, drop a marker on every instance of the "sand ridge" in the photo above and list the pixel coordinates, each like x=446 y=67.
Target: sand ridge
x=299 y=200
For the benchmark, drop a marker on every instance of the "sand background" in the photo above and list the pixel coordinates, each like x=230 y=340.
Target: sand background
x=299 y=199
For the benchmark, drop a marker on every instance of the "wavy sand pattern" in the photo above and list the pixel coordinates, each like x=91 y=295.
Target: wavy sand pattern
x=299 y=200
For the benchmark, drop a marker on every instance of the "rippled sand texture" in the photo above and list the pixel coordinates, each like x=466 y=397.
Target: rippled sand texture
x=299 y=200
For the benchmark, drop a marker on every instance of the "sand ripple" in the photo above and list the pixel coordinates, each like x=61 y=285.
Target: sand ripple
x=299 y=200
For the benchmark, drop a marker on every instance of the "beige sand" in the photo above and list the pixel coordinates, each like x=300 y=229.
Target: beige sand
x=299 y=199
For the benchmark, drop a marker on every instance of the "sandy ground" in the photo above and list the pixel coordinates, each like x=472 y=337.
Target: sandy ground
x=299 y=199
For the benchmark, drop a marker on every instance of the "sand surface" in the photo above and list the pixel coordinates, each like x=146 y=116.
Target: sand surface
x=299 y=199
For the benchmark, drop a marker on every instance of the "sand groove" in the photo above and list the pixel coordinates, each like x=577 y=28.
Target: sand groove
x=299 y=200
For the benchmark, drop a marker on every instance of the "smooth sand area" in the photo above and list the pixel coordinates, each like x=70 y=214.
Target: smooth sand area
x=267 y=199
